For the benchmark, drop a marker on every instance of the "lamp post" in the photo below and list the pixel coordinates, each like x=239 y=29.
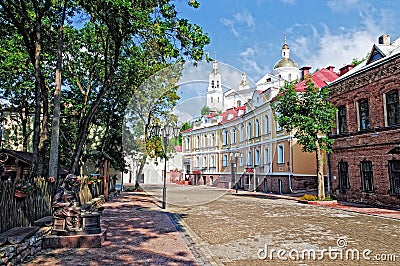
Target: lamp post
x=166 y=132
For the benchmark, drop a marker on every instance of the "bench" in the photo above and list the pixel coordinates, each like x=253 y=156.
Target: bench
x=17 y=234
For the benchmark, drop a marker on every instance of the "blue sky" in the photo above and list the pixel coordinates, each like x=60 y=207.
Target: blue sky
x=248 y=34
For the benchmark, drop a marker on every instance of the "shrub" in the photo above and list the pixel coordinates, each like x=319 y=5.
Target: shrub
x=308 y=197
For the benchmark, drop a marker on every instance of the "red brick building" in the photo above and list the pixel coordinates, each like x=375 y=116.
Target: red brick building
x=365 y=163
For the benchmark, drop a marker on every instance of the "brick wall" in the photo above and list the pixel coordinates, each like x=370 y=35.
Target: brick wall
x=371 y=145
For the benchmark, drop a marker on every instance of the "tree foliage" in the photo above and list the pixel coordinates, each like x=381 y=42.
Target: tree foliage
x=310 y=117
x=109 y=49
x=205 y=110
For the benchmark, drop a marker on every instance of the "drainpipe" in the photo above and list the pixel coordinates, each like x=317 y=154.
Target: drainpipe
x=291 y=164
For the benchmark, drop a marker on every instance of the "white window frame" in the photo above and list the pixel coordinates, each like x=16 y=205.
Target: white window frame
x=225 y=160
x=281 y=154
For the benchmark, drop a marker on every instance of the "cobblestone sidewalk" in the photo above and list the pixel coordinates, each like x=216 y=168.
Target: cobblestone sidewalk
x=138 y=233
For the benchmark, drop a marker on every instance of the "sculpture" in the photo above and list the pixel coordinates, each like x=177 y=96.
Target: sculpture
x=66 y=204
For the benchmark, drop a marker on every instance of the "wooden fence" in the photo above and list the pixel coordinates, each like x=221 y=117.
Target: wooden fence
x=15 y=212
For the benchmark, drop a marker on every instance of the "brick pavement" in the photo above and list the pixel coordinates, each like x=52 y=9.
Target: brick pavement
x=138 y=233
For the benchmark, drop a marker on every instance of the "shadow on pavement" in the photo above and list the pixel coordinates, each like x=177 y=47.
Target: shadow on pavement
x=137 y=234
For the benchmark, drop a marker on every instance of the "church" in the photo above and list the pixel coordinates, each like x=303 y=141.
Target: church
x=286 y=69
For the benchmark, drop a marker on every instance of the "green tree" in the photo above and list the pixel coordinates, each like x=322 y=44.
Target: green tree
x=205 y=110
x=310 y=117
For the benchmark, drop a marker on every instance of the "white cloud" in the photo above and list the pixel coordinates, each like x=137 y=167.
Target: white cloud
x=321 y=46
x=249 y=58
x=241 y=21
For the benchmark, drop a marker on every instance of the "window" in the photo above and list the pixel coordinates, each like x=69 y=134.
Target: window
x=225 y=137
x=249 y=131
x=187 y=143
x=367 y=180
x=344 y=182
x=212 y=161
x=249 y=159
x=363 y=112
x=266 y=156
x=225 y=160
x=257 y=161
x=242 y=133
x=198 y=141
x=212 y=139
x=342 y=124
x=205 y=141
x=212 y=83
x=241 y=160
x=211 y=100
x=233 y=135
x=392 y=108
x=394 y=177
x=281 y=156
x=238 y=103
x=257 y=128
x=217 y=83
x=278 y=127
x=266 y=125
x=197 y=161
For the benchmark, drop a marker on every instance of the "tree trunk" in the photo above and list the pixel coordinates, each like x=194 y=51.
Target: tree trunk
x=38 y=96
x=55 y=128
x=320 y=173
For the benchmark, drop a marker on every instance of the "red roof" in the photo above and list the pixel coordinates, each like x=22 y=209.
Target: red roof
x=234 y=111
x=187 y=130
x=319 y=78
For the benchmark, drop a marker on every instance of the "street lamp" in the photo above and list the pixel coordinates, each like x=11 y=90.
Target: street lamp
x=167 y=131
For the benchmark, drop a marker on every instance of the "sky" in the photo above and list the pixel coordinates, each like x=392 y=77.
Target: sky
x=249 y=34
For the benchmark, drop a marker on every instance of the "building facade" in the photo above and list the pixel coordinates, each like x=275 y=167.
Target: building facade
x=365 y=163
x=244 y=147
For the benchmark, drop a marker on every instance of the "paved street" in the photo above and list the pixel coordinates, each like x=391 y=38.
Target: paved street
x=233 y=229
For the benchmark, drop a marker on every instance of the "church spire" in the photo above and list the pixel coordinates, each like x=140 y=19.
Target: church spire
x=215 y=63
x=285 y=48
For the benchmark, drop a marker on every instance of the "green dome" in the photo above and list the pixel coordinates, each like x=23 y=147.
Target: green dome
x=285 y=62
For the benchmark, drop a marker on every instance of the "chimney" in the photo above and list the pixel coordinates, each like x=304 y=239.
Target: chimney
x=305 y=70
x=345 y=69
x=384 y=39
x=331 y=68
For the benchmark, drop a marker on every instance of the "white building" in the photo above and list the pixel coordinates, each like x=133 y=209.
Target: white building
x=285 y=69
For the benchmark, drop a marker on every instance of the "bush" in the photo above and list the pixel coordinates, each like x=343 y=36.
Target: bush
x=308 y=197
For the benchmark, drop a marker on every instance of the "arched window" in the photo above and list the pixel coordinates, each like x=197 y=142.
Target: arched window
x=205 y=141
x=187 y=143
x=233 y=139
x=249 y=130
x=217 y=83
x=257 y=128
x=212 y=83
x=212 y=161
x=257 y=161
x=205 y=161
x=266 y=125
x=241 y=132
x=212 y=139
x=225 y=137
x=198 y=141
